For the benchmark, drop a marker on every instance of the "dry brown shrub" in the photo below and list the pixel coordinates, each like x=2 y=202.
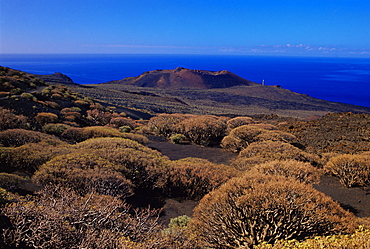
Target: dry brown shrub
x=257 y=208
x=278 y=151
x=74 y=134
x=9 y=120
x=265 y=126
x=247 y=163
x=194 y=177
x=352 y=170
x=303 y=172
x=238 y=121
x=58 y=218
x=10 y=182
x=84 y=172
x=203 y=130
x=276 y=136
x=240 y=137
x=121 y=121
x=164 y=124
x=98 y=116
x=18 y=137
x=46 y=117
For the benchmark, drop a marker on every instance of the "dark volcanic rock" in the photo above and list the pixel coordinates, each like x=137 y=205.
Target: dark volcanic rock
x=182 y=78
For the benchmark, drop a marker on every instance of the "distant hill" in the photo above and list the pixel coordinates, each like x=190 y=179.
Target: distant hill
x=183 y=78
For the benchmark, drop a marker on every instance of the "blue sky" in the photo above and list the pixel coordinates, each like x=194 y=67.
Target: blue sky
x=270 y=27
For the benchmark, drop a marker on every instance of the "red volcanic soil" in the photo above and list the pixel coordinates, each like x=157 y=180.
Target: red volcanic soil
x=356 y=200
x=182 y=78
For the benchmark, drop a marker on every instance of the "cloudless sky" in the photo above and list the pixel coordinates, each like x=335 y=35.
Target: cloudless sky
x=291 y=27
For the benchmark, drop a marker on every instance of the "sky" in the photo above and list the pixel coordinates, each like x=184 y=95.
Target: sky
x=259 y=27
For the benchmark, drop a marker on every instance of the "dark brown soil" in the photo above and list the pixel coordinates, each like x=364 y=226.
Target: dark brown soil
x=356 y=200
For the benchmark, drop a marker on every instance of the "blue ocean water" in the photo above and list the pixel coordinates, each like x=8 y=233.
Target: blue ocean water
x=345 y=80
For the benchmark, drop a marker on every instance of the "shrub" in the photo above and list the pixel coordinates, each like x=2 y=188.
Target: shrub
x=352 y=170
x=164 y=124
x=247 y=163
x=146 y=168
x=10 y=182
x=98 y=116
x=238 y=121
x=125 y=129
x=203 y=130
x=46 y=117
x=28 y=96
x=81 y=134
x=242 y=136
x=58 y=218
x=256 y=208
x=121 y=121
x=359 y=239
x=30 y=157
x=84 y=172
x=55 y=129
x=193 y=177
x=177 y=138
x=9 y=120
x=18 y=137
x=277 y=151
x=303 y=172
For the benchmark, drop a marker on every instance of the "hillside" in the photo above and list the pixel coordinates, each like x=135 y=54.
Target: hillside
x=203 y=92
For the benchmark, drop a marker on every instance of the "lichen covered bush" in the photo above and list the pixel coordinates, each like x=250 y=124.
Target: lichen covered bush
x=258 y=208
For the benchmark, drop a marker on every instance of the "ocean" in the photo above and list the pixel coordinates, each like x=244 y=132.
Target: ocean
x=345 y=80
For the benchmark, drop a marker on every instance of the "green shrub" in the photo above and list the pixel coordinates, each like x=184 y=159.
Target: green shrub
x=30 y=157
x=177 y=138
x=55 y=129
x=84 y=172
x=18 y=137
x=125 y=129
